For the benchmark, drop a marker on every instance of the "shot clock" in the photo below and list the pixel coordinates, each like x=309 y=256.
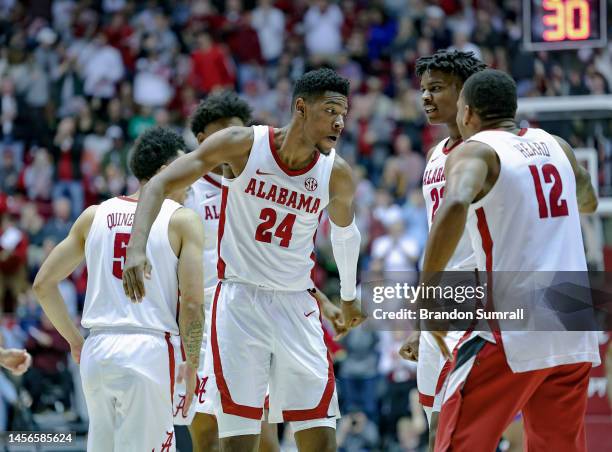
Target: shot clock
x=564 y=24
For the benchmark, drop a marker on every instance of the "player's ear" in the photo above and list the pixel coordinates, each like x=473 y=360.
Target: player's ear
x=300 y=107
x=200 y=137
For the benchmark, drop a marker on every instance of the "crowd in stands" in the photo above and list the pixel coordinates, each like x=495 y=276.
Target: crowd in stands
x=80 y=80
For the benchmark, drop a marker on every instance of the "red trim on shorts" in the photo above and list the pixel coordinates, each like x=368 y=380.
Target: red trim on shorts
x=320 y=411
x=210 y=180
x=426 y=400
x=221 y=230
x=267 y=402
x=228 y=405
x=127 y=198
x=446 y=150
x=288 y=171
x=523 y=131
x=172 y=365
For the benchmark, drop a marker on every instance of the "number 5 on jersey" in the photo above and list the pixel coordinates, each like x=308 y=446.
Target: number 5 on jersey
x=119 y=252
x=284 y=230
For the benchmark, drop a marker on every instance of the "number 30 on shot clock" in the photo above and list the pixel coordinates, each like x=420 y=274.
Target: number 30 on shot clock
x=564 y=24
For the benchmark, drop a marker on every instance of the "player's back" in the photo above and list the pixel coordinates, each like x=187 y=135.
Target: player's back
x=526 y=234
x=529 y=221
x=106 y=305
x=269 y=216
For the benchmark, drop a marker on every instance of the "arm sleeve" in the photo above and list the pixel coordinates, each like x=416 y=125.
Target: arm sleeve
x=345 y=245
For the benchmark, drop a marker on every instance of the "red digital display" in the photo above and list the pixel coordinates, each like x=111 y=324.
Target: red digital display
x=563 y=24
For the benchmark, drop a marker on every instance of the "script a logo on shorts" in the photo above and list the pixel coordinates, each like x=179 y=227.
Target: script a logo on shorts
x=167 y=446
x=311 y=184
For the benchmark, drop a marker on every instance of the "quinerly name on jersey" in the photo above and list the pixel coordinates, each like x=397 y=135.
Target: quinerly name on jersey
x=433 y=176
x=119 y=219
x=280 y=195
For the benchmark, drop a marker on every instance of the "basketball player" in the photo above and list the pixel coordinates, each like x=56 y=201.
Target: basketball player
x=217 y=112
x=265 y=326
x=442 y=76
x=15 y=360
x=127 y=362
x=519 y=192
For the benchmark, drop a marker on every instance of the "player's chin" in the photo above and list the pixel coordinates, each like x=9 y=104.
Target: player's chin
x=325 y=146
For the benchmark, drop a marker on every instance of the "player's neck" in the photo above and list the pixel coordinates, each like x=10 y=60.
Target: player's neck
x=507 y=125
x=135 y=196
x=292 y=149
x=454 y=134
x=218 y=170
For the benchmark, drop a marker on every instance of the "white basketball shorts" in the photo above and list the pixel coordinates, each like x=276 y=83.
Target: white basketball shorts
x=128 y=378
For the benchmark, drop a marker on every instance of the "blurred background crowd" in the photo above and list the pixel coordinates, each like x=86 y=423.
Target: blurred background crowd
x=80 y=80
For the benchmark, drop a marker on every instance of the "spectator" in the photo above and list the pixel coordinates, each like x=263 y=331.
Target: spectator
x=357 y=433
x=13 y=258
x=210 y=66
x=49 y=366
x=269 y=22
x=322 y=29
x=58 y=226
x=404 y=171
x=396 y=251
x=67 y=153
x=38 y=176
x=102 y=68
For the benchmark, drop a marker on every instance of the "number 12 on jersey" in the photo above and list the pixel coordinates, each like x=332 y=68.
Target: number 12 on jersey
x=556 y=206
x=284 y=231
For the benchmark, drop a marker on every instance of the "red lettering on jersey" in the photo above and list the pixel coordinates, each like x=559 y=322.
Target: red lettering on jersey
x=292 y=200
x=315 y=207
x=216 y=214
x=261 y=193
x=304 y=202
x=208 y=215
x=272 y=194
x=119 y=219
x=251 y=187
x=282 y=196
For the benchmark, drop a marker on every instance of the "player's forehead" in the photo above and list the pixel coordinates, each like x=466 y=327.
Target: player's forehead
x=331 y=98
x=437 y=76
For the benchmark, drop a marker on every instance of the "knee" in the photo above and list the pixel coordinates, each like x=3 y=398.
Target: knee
x=204 y=433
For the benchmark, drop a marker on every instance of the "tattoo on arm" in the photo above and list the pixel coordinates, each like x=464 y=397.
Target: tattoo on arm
x=192 y=339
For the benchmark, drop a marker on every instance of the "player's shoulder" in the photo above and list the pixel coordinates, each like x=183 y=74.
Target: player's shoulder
x=341 y=168
x=185 y=222
x=432 y=150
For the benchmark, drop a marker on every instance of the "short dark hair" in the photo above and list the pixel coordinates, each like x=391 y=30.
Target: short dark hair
x=156 y=147
x=315 y=83
x=460 y=64
x=492 y=94
x=220 y=105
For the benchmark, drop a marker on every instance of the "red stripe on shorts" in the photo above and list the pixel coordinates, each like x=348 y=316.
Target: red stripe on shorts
x=220 y=262
x=320 y=411
x=172 y=365
x=228 y=404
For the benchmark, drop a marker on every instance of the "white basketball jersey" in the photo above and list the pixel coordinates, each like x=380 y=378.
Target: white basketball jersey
x=204 y=198
x=433 y=191
x=106 y=305
x=269 y=217
x=529 y=222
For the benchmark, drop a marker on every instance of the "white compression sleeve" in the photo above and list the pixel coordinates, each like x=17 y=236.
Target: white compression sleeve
x=345 y=245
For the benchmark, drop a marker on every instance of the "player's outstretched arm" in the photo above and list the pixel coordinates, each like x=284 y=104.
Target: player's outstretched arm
x=191 y=286
x=345 y=239
x=60 y=263
x=587 y=199
x=226 y=146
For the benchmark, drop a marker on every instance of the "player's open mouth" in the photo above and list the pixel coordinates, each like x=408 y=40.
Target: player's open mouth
x=333 y=138
x=429 y=109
